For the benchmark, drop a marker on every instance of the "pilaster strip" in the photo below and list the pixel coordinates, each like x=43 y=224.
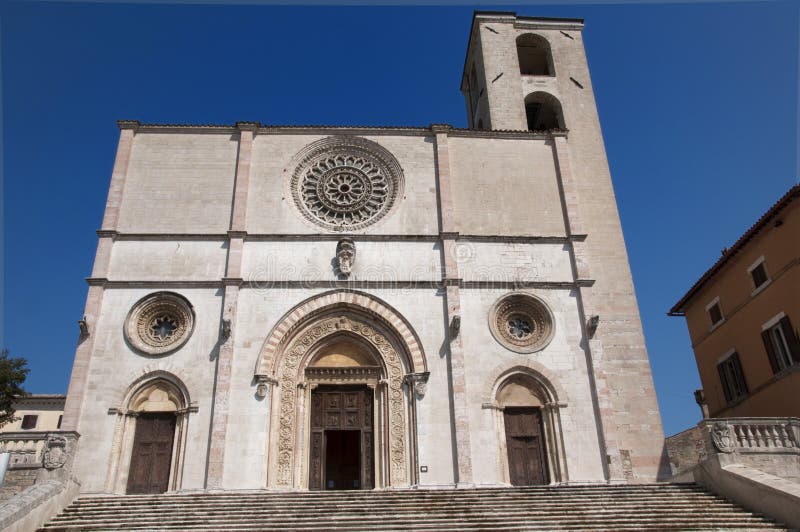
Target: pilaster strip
x=448 y=235
x=102 y=257
x=219 y=415
x=118 y=175
x=232 y=282
x=80 y=367
x=594 y=351
x=247 y=131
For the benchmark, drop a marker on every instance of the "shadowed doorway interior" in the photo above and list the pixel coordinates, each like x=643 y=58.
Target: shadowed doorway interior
x=342 y=459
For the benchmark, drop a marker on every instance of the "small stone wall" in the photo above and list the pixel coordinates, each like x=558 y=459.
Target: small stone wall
x=685 y=450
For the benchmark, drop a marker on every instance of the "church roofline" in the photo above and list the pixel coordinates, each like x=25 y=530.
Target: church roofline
x=263 y=129
x=557 y=23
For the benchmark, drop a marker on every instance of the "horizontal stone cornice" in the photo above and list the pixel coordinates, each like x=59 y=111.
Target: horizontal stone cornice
x=263 y=284
x=413 y=131
x=335 y=237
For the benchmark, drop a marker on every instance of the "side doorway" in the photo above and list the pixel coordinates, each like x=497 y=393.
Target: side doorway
x=151 y=456
x=527 y=463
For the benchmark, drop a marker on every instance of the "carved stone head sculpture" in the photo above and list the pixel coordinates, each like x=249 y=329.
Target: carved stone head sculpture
x=345 y=256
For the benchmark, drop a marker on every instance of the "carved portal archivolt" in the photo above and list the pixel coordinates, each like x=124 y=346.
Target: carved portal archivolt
x=292 y=379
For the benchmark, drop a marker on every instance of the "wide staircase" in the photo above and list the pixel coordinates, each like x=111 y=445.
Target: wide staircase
x=629 y=507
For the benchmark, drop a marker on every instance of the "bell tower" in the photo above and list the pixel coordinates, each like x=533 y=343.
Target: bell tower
x=515 y=69
x=531 y=74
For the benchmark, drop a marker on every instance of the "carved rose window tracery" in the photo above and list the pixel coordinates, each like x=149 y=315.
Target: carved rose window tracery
x=159 y=323
x=346 y=183
x=521 y=322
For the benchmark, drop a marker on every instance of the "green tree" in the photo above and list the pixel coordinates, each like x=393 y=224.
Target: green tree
x=13 y=371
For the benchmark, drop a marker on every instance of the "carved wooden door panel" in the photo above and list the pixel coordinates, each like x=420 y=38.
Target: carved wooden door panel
x=334 y=410
x=526 y=457
x=152 y=453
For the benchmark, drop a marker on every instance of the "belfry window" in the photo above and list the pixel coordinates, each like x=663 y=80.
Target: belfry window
x=543 y=112
x=534 y=56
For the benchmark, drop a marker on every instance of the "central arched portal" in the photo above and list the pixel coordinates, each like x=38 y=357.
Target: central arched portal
x=345 y=380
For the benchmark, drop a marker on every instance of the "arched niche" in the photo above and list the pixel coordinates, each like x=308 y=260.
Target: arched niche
x=158 y=393
x=543 y=112
x=535 y=58
x=520 y=389
x=343 y=345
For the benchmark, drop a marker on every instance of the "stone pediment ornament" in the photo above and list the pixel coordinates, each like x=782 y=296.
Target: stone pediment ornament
x=723 y=437
x=55 y=452
x=345 y=256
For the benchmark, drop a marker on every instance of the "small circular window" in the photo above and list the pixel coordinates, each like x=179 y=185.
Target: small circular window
x=521 y=322
x=159 y=323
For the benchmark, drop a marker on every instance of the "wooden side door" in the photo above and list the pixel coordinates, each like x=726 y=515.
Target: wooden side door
x=152 y=453
x=526 y=454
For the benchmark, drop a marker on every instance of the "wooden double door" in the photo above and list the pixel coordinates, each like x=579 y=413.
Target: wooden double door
x=151 y=456
x=342 y=430
x=527 y=463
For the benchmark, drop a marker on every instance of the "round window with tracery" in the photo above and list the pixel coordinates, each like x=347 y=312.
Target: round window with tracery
x=521 y=322
x=159 y=323
x=345 y=183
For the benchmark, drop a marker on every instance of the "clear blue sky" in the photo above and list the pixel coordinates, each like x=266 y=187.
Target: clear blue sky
x=698 y=104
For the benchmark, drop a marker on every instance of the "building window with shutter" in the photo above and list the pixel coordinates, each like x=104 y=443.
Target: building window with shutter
x=780 y=342
x=731 y=376
x=29 y=422
x=758 y=273
x=715 y=313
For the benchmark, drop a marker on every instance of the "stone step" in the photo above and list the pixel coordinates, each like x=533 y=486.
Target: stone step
x=544 y=509
x=636 y=507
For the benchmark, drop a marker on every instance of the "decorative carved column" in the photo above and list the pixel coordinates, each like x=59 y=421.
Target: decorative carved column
x=232 y=282
x=612 y=461
x=451 y=281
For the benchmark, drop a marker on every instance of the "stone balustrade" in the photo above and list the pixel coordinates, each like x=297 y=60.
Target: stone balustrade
x=754 y=435
x=25 y=447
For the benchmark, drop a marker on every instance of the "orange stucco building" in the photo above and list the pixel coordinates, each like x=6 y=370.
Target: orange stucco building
x=743 y=316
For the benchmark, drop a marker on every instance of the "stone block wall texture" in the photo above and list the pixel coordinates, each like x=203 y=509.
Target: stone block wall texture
x=482 y=214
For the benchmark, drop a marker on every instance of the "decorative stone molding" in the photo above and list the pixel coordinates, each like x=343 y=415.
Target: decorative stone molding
x=55 y=452
x=263 y=385
x=345 y=256
x=159 y=323
x=521 y=322
x=296 y=355
x=418 y=383
x=591 y=325
x=723 y=438
x=84 y=328
x=344 y=299
x=345 y=183
x=455 y=327
x=344 y=375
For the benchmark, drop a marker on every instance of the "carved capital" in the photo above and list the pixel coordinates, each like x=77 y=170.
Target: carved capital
x=440 y=128
x=418 y=382
x=263 y=385
x=129 y=124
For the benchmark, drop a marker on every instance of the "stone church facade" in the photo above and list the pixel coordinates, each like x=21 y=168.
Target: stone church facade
x=371 y=307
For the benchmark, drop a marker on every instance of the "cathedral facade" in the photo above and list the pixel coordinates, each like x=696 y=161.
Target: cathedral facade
x=371 y=307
